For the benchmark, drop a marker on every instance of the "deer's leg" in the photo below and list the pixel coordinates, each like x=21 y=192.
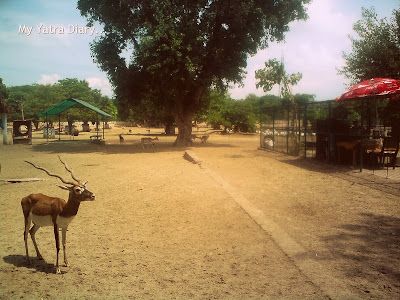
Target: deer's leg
x=64 y=242
x=57 y=238
x=33 y=232
x=27 y=225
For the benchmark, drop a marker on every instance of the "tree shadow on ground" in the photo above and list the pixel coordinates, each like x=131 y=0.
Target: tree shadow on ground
x=36 y=264
x=310 y=164
x=369 y=249
x=365 y=178
x=81 y=146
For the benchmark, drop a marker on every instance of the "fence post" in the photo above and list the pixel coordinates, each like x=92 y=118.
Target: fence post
x=305 y=130
x=362 y=135
x=287 y=129
x=259 y=108
x=273 y=129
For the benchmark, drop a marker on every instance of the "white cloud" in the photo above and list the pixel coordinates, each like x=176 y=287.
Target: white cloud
x=49 y=79
x=102 y=84
x=313 y=48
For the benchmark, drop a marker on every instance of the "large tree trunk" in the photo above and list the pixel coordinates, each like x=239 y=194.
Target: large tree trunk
x=170 y=126
x=184 y=122
x=184 y=113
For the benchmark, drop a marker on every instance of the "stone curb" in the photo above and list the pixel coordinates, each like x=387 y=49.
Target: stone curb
x=334 y=288
x=192 y=157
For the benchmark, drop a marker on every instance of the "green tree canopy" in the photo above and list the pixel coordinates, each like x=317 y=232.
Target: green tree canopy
x=4 y=108
x=30 y=100
x=236 y=115
x=3 y=90
x=179 y=49
x=376 y=52
x=274 y=73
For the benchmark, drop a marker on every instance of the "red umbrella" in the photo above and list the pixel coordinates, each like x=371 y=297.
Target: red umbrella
x=383 y=87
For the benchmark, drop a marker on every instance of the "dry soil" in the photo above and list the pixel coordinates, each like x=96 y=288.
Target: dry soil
x=242 y=224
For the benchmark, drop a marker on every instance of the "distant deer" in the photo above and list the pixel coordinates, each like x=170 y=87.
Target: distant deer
x=44 y=210
x=202 y=138
x=121 y=139
x=148 y=140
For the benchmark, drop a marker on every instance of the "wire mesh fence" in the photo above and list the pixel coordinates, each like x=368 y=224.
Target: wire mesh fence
x=291 y=129
x=321 y=129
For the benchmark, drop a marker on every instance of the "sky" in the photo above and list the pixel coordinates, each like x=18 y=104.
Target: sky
x=43 y=41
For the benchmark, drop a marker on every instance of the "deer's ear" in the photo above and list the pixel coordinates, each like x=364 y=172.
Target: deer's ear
x=63 y=187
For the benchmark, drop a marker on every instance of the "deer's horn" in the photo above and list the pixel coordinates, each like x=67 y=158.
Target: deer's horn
x=48 y=173
x=69 y=170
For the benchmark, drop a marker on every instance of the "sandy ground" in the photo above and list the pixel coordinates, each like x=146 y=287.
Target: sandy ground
x=163 y=228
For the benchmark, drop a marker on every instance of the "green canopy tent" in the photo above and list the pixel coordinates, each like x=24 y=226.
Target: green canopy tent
x=69 y=103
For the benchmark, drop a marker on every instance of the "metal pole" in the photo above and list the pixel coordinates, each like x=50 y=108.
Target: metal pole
x=103 y=128
x=273 y=129
x=331 y=142
x=362 y=134
x=47 y=128
x=305 y=130
x=287 y=130
x=97 y=126
x=259 y=107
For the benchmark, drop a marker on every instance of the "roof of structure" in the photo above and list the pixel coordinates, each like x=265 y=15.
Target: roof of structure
x=67 y=104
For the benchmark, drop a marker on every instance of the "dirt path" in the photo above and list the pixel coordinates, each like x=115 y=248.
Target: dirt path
x=351 y=230
x=162 y=228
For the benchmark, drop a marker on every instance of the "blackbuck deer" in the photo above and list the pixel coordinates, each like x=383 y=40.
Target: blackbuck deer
x=44 y=210
x=148 y=140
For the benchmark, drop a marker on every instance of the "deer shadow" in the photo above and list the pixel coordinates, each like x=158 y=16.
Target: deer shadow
x=37 y=265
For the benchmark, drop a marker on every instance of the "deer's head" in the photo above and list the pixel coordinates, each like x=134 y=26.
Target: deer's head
x=77 y=190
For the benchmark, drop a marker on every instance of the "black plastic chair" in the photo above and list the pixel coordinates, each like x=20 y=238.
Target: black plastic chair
x=387 y=156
